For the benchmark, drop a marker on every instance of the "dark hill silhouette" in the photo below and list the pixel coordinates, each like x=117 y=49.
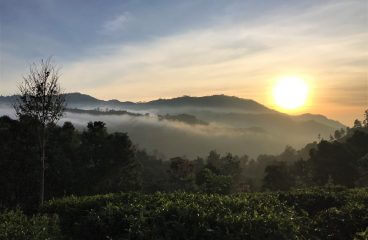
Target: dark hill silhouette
x=72 y=98
x=226 y=109
x=7 y=100
x=193 y=126
x=319 y=118
x=215 y=101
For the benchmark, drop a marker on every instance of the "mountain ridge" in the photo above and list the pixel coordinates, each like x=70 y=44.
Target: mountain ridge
x=219 y=102
x=193 y=126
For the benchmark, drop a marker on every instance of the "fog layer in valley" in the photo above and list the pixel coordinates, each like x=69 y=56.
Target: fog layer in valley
x=238 y=133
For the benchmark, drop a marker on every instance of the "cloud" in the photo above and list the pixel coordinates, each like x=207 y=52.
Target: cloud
x=232 y=54
x=118 y=23
x=212 y=57
x=358 y=97
x=178 y=139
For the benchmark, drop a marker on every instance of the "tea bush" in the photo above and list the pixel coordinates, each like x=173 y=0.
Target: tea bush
x=314 y=213
x=14 y=225
x=176 y=216
x=333 y=213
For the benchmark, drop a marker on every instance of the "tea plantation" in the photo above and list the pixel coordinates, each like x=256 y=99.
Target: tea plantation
x=314 y=213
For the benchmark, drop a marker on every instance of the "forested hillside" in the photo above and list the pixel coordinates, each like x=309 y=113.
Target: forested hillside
x=94 y=161
x=193 y=126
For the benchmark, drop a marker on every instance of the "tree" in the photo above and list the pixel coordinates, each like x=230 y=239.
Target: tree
x=289 y=155
x=337 y=135
x=278 y=177
x=365 y=121
x=19 y=176
x=214 y=161
x=357 y=124
x=337 y=160
x=41 y=99
x=210 y=182
x=181 y=174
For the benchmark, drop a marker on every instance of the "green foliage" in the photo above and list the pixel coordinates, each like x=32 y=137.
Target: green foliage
x=332 y=213
x=278 y=177
x=14 y=225
x=96 y=162
x=341 y=223
x=176 y=216
x=181 y=174
x=362 y=235
x=317 y=213
x=155 y=172
x=336 y=160
x=342 y=162
x=89 y=162
x=212 y=183
x=19 y=163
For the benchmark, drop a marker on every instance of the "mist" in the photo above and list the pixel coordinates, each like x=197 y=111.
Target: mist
x=223 y=129
x=7 y=111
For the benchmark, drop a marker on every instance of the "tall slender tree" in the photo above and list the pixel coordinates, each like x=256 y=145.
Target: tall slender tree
x=365 y=121
x=41 y=99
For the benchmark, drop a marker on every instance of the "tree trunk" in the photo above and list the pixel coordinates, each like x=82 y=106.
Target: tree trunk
x=42 y=192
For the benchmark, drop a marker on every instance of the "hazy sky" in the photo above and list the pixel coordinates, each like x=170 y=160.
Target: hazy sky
x=145 y=49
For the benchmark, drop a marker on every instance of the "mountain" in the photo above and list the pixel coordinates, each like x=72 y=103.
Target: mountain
x=321 y=119
x=228 y=103
x=215 y=101
x=7 y=100
x=78 y=98
x=227 y=109
x=193 y=126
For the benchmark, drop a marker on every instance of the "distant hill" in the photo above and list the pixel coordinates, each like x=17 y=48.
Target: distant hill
x=214 y=101
x=7 y=100
x=319 y=118
x=78 y=98
x=222 y=108
x=193 y=126
x=234 y=107
x=229 y=103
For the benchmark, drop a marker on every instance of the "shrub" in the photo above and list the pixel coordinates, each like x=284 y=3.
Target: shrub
x=14 y=225
x=313 y=200
x=362 y=235
x=176 y=216
x=333 y=213
x=341 y=224
x=316 y=213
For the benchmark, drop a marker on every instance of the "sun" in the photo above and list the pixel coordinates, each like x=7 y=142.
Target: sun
x=290 y=93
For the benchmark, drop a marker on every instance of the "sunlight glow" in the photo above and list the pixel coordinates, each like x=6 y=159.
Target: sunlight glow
x=290 y=93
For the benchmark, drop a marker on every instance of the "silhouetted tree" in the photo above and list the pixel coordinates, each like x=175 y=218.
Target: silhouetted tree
x=337 y=135
x=278 y=177
x=365 y=121
x=109 y=160
x=333 y=159
x=210 y=182
x=181 y=174
x=41 y=99
x=154 y=171
x=214 y=161
x=90 y=162
x=357 y=124
x=301 y=171
x=289 y=155
x=19 y=168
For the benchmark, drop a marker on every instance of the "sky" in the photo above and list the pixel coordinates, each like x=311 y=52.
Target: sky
x=141 y=50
